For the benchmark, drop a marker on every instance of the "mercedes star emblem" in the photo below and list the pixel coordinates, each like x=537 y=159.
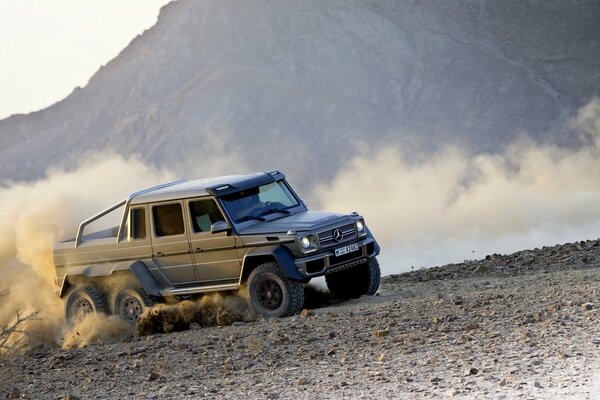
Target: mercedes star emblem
x=338 y=235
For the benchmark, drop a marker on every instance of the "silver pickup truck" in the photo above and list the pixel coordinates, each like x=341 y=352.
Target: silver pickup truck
x=186 y=238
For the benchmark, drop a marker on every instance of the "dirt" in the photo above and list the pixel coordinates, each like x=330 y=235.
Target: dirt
x=524 y=325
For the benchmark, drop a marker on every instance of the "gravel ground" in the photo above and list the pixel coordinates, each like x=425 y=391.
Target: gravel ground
x=524 y=325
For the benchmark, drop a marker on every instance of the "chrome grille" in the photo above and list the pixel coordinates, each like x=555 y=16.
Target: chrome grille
x=326 y=237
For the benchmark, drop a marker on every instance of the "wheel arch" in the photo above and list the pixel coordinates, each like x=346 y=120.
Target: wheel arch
x=279 y=254
x=85 y=272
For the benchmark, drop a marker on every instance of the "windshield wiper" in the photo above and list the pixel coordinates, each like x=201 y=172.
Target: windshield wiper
x=249 y=217
x=275 y=210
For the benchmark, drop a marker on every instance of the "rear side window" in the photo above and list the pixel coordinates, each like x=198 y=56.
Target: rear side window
x=168 y=220
x=204 y=213
x=138 y=223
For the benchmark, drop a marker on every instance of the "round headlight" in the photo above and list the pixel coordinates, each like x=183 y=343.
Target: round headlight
x=305 y=242
x=360 y=226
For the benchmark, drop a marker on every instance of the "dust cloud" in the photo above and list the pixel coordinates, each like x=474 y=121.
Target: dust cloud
x=35 y=215
x=453 y=206
x=95 y=328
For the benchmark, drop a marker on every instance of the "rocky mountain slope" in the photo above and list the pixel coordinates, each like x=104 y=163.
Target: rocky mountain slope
x=300 y=85
x=523 y=325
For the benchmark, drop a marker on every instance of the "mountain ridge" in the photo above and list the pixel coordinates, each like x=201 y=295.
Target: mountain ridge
x=309 y=83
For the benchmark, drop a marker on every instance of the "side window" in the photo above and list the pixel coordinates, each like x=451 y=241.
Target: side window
x=138 y=223
x=168 y=220
x=204 y=213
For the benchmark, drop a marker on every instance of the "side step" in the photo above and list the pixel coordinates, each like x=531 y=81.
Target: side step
x=199 y=289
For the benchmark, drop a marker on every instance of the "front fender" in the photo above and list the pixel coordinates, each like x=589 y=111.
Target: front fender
x=282 y=256
x=370 y=235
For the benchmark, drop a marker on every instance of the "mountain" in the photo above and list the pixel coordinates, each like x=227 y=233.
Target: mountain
x=304 y=85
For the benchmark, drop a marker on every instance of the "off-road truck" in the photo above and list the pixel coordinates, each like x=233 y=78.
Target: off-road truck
x=186 y=238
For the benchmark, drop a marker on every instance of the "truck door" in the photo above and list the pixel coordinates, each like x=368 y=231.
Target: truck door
x=171 y=245
x=215 y=255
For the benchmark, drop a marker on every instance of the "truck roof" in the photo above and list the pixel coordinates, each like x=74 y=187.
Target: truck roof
x=203 y=187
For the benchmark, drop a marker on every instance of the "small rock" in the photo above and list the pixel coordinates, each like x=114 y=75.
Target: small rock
x=70 y=396
x=13 y=393
x=537 y=385
x=540 y=316
x=255 y=343
x=305 y=313
x=587 y=306
x=302 y=381
x=435 y=380
x=332 y=335
x=472 y=371
x=381 y=332
x=153 y=376
x=381 y=357
x=596 y=341
x=482 y=269
x=452 y=392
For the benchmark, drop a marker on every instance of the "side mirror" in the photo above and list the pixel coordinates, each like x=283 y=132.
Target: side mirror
x=219 y=226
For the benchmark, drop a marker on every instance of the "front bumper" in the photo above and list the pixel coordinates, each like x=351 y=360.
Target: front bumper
x=326 y=262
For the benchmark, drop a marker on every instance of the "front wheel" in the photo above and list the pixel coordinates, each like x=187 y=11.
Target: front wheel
x=272 y=294
x=357 y=281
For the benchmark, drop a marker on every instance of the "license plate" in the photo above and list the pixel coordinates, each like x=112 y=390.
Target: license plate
x=346 y=249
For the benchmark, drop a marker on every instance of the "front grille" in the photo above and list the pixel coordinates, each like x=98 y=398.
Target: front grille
x=326 y=238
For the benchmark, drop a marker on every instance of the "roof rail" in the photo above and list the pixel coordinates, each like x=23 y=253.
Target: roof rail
x=125 y=202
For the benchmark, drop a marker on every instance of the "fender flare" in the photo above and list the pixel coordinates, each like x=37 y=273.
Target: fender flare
x=138 y=268
x=370 y=236
x=282 y=256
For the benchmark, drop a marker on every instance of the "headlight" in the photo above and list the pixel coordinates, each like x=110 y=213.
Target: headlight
x=305 y=242
x=360 y=226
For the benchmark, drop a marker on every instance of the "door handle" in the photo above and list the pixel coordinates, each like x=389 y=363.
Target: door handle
x=159 y=254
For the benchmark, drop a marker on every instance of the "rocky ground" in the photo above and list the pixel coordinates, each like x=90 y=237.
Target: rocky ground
x=524 y=325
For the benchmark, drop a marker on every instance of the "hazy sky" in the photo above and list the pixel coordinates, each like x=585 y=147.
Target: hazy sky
x=47 y=48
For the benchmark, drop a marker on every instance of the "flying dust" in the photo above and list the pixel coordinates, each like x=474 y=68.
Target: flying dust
x=34 y=215
x=452 y=206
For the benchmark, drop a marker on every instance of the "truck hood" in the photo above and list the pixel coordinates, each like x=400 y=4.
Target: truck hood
x=302 y=221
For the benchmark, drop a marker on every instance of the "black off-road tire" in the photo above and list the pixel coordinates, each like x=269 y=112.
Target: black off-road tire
x=130 y=302
x=272 y=294
x=357 y=281
x=83 y=300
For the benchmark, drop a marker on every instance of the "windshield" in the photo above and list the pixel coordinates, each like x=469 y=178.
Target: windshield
x=256 y=202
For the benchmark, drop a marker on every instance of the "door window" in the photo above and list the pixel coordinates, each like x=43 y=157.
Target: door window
x=138 y=223
x=204 y=213
x=168 y=220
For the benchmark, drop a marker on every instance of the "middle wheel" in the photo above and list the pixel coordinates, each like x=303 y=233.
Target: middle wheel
x=272 y=294
x=130 y=303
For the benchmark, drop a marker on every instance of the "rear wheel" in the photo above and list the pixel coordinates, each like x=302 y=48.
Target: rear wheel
x=130 y=303
x=84 y=300
x=272 y=294
x=357 y=281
